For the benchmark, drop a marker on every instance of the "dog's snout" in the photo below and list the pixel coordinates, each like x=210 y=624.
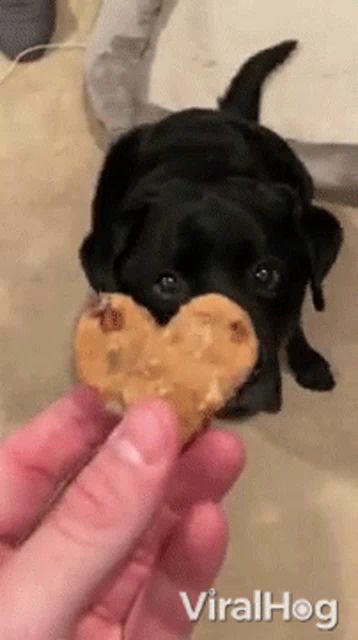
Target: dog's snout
x=262 y=391
x=259 y=364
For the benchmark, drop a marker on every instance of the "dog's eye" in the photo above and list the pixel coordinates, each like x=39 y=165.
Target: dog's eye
x=263 y=274
x=168 y=285
x=268 y=277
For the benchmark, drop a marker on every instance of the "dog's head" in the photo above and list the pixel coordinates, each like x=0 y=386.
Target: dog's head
x=163 y=238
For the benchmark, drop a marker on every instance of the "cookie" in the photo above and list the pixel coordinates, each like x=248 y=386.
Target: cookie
x=197 y=361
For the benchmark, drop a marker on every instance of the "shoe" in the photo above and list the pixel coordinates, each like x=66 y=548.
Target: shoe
x=25 y=24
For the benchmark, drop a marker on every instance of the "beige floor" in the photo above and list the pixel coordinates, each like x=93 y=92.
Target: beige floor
x=294 y=516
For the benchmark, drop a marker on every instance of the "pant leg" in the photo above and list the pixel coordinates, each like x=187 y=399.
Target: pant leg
x=114 y=59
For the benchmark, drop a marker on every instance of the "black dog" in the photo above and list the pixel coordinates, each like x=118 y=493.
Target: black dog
x=210 y=201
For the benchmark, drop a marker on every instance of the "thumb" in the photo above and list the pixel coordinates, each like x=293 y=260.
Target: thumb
x=95 y=525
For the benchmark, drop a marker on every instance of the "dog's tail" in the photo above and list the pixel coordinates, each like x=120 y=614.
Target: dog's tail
x=244 y=92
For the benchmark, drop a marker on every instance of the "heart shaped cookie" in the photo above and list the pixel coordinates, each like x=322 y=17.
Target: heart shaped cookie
x=197 y=361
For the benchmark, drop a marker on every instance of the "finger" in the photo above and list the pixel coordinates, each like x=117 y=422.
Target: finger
x=205 y=473
x=95 y=525
x=95 y=627
x=207 y=470
x=36 y=458
x=189 y=566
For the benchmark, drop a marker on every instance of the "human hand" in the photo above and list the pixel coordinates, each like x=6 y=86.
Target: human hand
x=135 y=526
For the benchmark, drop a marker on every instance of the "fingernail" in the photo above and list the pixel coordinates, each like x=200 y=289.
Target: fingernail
x=147 y=433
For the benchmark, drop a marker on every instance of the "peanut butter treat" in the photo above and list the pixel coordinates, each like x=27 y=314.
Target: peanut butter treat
x=197 y=361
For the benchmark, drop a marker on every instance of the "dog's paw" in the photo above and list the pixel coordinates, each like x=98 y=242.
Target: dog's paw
x=313 y=372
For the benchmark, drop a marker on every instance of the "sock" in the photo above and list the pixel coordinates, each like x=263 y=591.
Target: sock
x=24 y=24
x=114 y=62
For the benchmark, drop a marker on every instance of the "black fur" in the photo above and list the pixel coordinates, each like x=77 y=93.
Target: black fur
x=244 y=92
x=217 y=201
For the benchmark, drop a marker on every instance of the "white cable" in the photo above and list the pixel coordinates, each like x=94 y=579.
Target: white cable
x=39 y=47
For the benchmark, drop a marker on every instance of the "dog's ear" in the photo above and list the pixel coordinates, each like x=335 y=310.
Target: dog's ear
x=112 y=225
x=324 y=237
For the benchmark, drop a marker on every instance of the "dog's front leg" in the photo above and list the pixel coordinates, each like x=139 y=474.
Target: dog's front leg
x=310 y=369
